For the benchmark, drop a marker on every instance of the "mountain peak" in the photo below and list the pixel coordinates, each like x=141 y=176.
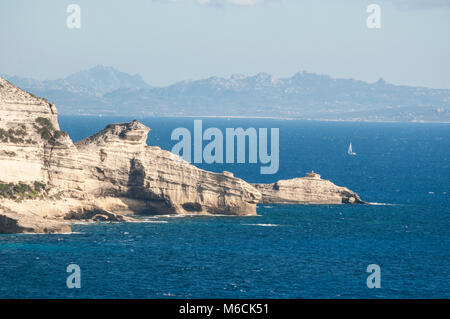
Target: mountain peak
x=101 y=79
x=238 y=76
x=381 y=81
x=102 y=67
x=265 y=78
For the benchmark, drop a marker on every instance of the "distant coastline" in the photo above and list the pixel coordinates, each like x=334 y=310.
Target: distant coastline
x=253 y=117
x=304 y=96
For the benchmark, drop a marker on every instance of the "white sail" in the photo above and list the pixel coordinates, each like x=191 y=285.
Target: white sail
x=350 y=150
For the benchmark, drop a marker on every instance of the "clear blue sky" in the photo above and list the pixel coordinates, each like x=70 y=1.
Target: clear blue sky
x=168 y=41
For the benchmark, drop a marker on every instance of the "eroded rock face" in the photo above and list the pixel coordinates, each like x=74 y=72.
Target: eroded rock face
x=306 y=190
x=105 y=176
x=119 y=163
x=32 y=147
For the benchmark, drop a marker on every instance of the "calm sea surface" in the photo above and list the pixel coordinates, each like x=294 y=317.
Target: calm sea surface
x=285 y=252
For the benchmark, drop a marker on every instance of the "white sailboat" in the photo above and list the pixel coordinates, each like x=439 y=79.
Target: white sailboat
x=350 y=151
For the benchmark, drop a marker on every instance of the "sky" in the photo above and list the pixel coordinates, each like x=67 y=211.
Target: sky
x=166 y=41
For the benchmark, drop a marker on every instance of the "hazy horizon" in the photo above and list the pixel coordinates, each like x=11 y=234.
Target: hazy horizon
x=171 y=41
x=197 y=79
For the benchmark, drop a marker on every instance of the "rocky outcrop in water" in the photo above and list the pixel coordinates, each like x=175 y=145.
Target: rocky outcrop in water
x=310 y=189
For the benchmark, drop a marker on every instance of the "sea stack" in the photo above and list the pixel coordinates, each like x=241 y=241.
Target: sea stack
x=311 y=189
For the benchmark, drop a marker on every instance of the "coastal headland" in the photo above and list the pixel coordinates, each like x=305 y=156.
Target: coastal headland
x=47 y=182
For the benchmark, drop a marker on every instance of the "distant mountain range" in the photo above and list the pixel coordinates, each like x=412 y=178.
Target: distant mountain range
x=105 y=91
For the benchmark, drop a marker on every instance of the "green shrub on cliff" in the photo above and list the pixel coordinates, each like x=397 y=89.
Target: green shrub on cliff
x=45 y=122
x=38 y=186
x=47 y=131
x=22 y=191
x=13 y=135
x=3 y=135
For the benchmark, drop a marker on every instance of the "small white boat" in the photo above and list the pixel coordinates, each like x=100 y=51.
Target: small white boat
x=350 y=151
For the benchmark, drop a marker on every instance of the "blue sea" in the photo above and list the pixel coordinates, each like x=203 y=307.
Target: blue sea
x=287 y=251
